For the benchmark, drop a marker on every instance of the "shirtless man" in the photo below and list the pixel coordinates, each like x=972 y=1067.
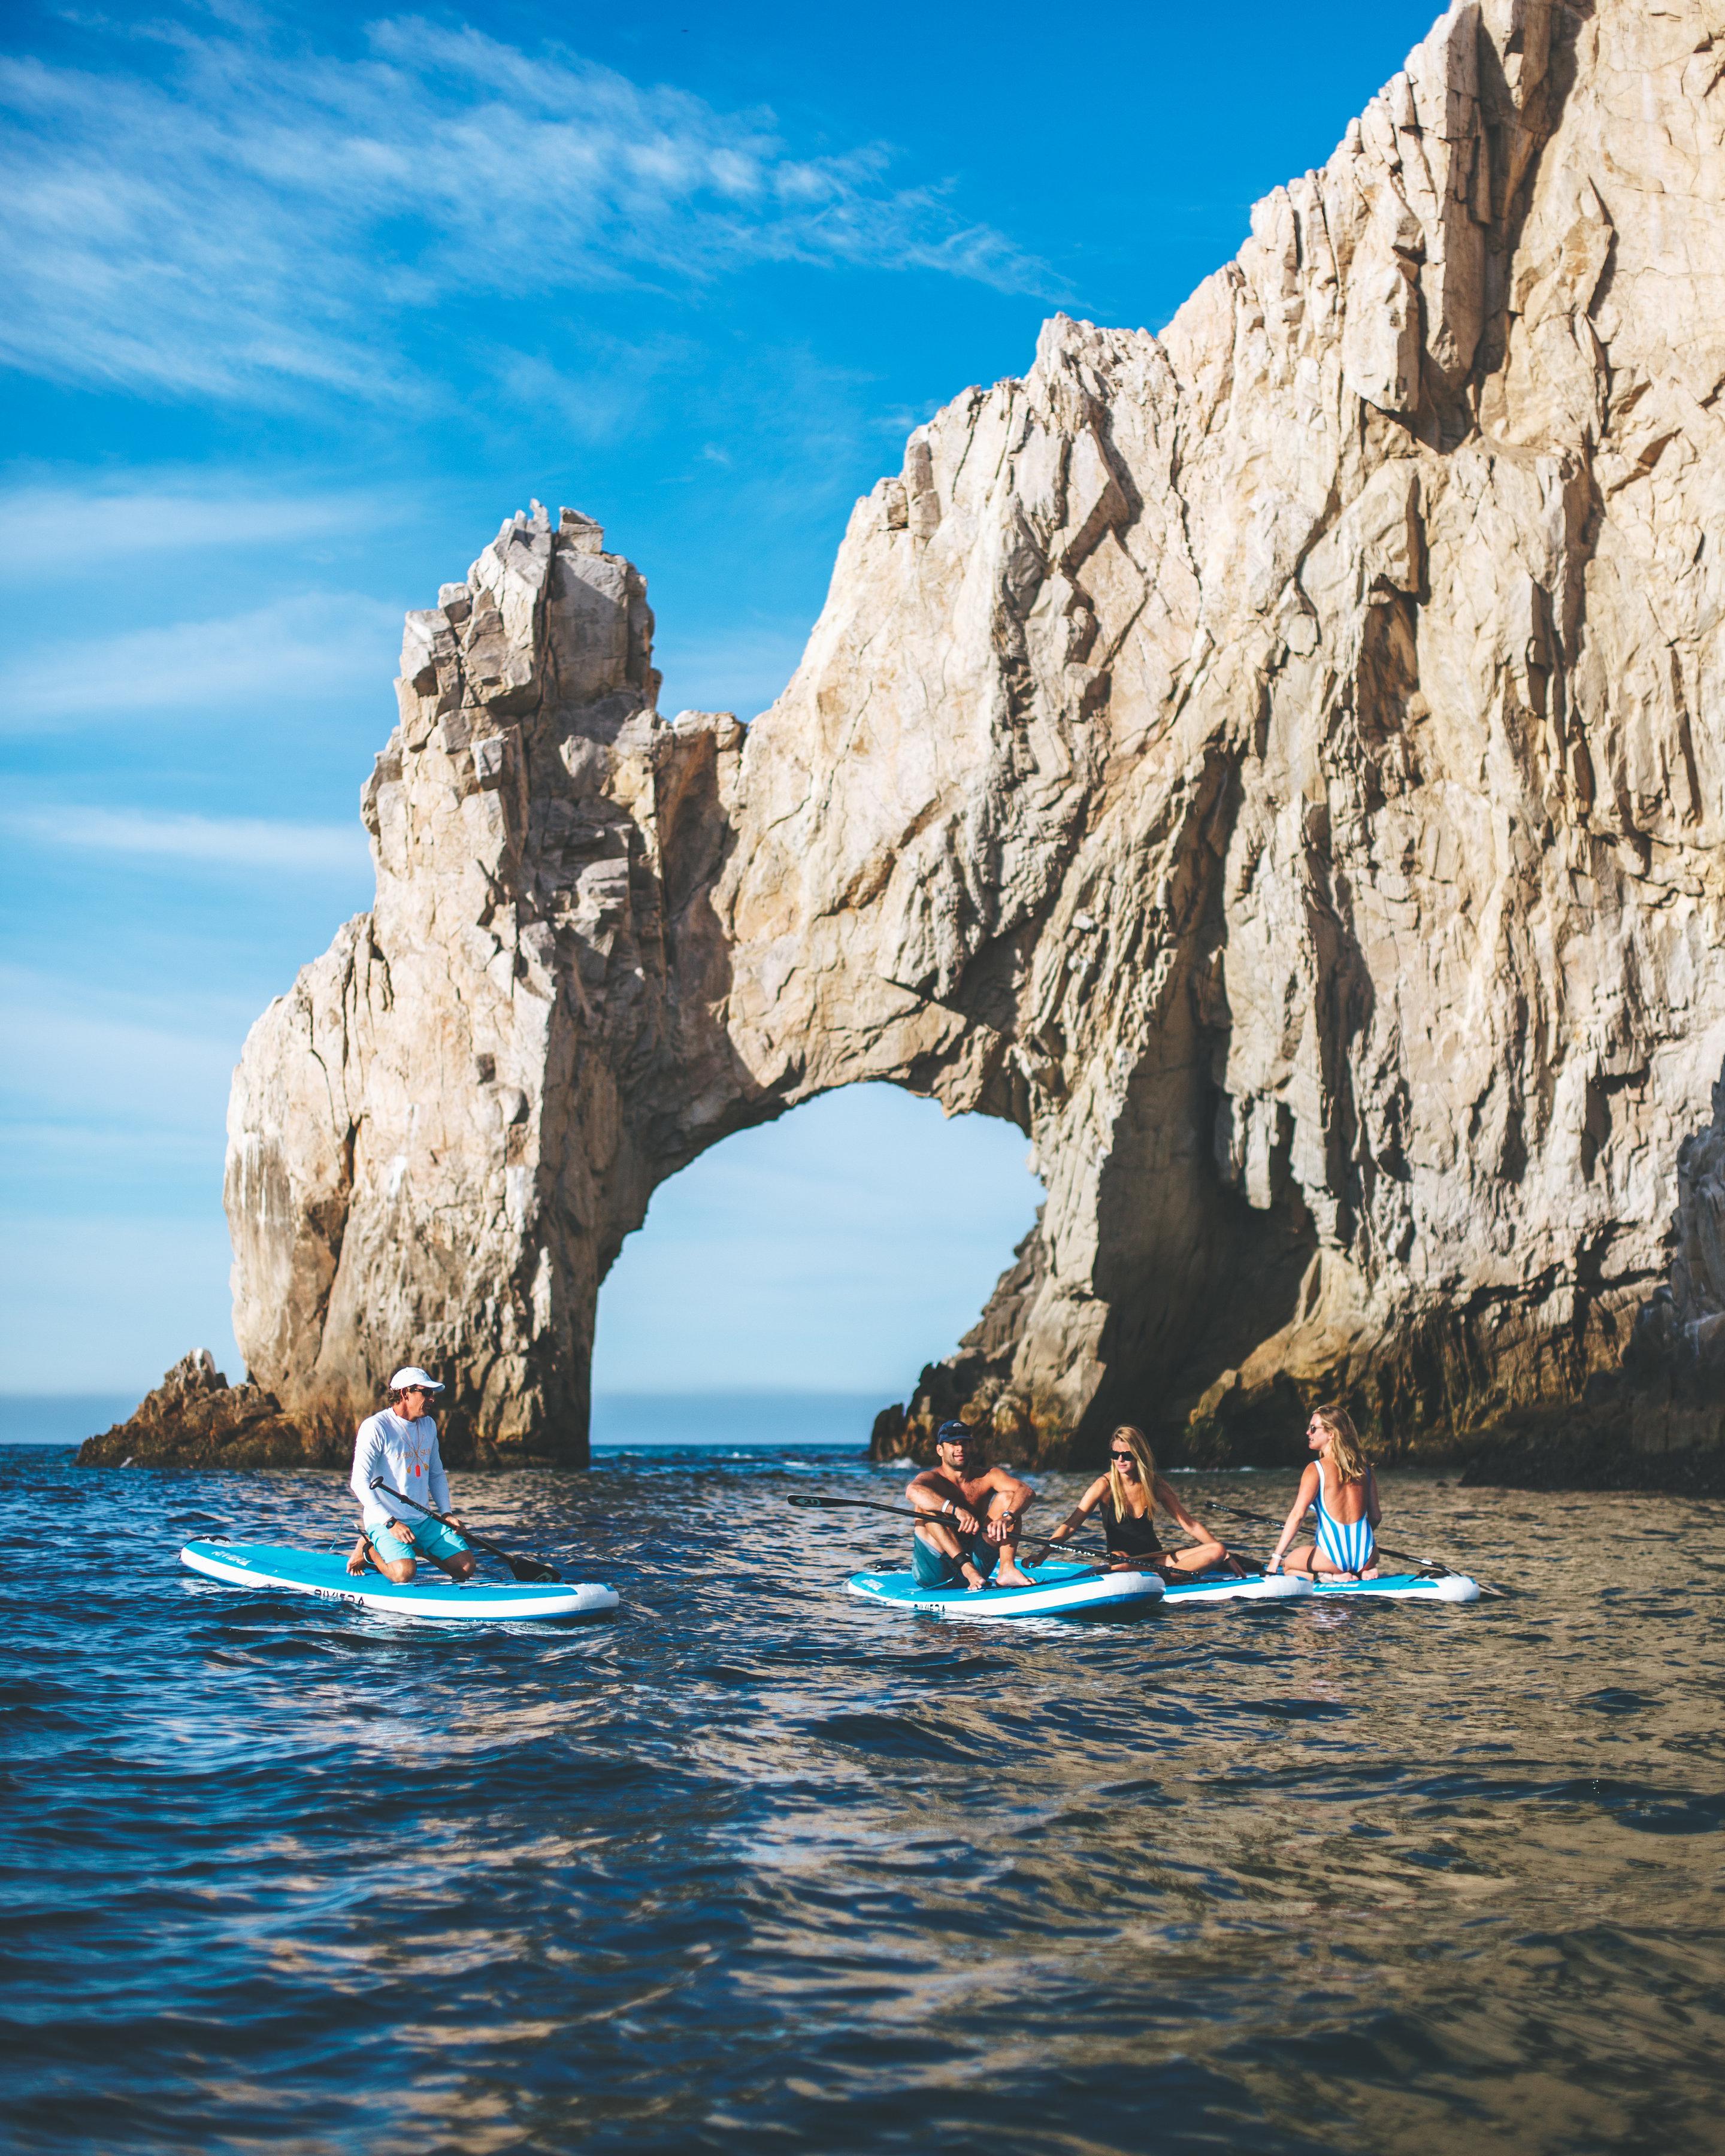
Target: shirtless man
x=972 y=1516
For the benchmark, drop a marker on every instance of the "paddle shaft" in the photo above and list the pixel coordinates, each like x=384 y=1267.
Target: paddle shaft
x=523 y=1567
x=908 y=1512
x=1092 y=1550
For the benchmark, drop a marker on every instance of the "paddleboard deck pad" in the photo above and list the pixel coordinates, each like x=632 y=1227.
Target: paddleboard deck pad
x=432 y=1594
x=1060 y=1590
x=1406 y=1587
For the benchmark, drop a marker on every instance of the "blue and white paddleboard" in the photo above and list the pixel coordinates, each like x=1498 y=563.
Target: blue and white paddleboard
x=1061 y=1590
x=1231 y=1586
x=432 y=1594
x=1406 y=1587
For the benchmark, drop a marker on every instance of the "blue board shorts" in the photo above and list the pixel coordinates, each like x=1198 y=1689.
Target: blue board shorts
x=934 y=1570
x=431 y=1538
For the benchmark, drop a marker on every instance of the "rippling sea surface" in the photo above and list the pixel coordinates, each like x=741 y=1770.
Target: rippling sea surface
x=757 y=1865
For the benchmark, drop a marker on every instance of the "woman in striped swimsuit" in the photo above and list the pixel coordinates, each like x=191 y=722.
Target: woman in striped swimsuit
x=1341 y=1484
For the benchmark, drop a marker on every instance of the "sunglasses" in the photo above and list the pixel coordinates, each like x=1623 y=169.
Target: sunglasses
x=1132 y=1456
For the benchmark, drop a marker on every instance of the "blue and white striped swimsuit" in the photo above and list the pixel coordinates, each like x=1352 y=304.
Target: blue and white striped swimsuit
x=1348 y=1544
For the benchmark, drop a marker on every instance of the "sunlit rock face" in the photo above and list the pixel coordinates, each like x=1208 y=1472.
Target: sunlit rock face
x=1277 y=763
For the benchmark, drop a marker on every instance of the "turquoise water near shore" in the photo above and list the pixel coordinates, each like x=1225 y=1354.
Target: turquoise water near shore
x=760 y=1867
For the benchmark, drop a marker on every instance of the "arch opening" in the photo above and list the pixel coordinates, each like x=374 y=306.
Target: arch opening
x=790 y=1281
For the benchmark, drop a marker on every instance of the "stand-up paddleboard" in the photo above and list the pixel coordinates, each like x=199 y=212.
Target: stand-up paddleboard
x=1406 y=1587
x=1231 y=1586
x=432 y=1594
x=1061 y=1590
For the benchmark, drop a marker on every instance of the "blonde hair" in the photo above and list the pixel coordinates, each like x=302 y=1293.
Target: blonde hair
x=1139 y=1446
x=1347 y=1455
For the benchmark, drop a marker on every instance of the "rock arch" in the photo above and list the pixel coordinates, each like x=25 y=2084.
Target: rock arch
x=1276 y=763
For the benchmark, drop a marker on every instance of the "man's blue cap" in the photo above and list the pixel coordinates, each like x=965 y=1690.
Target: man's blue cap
x=956 y=1433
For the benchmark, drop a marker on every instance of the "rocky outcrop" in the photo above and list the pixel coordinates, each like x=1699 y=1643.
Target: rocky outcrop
x=1276 y=763
x=434 y=1138
x=195 y=1419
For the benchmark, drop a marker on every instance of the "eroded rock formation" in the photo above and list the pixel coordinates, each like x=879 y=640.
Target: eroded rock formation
x=1277 y=763
x=1659 y=1421
x=195 y=1419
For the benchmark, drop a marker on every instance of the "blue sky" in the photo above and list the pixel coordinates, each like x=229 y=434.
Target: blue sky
x=300 y=304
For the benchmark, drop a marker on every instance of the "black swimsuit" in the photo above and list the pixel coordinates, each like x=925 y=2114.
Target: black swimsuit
x=1128 y=1535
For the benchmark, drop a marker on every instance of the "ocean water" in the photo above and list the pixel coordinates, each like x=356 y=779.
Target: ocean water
x=758 y=1867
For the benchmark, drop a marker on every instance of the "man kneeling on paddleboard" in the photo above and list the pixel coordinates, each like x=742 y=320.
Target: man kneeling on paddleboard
x=972 y=1516
x=398 y=1446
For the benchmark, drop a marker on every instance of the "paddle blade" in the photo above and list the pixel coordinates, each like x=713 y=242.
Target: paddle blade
x=531 y=1568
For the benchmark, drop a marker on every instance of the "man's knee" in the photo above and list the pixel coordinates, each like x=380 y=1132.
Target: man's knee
x=399 y=1569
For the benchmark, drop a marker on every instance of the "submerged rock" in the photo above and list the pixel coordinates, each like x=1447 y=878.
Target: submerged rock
x=1274 y=762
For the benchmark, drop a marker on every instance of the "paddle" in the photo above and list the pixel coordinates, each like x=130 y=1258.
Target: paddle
x=1094 y=1550
x=1090 y=1550
x=1434 y=1565
x=523 y=1568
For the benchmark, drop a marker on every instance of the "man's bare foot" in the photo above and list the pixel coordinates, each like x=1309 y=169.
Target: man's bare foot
x=357 y=1560
x=973 y=1581
x=1012 y=1575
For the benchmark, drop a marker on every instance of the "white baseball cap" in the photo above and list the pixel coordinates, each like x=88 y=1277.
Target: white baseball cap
x=411 y=1376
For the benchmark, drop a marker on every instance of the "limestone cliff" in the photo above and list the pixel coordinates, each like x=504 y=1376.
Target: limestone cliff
x=1277 y=763
x=1659 y=1421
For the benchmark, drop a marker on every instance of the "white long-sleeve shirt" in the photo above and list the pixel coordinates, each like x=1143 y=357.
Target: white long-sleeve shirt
x=405 y=1455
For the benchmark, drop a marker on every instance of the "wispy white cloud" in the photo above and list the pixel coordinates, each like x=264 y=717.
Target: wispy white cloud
x=605 y=389
x=240 y=842
x=139 y=1062
x=261 y=219
x=315 y=643
x=41 y=522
